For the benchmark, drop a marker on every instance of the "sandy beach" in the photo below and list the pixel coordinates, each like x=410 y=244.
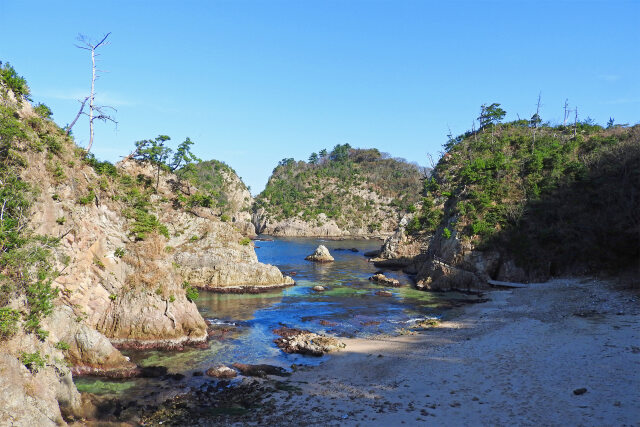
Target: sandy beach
x=521 y=358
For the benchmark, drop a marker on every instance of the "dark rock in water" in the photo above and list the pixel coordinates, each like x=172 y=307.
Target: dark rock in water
x=384 y=294
x=384 y=280
x=372 y=253
x=305 y=342
x=260 y=370
x=354 y=249
x=198 y=373
x=327 y=323
x=221 y=371
x=579 y=391
x=153 y=371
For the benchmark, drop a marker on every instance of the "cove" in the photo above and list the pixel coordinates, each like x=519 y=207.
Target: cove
x=241 y=324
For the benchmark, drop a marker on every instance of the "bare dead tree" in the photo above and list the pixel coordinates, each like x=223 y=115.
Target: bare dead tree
x=96 y=112
x=82 y=104
x=566 y=112
x=575 y=123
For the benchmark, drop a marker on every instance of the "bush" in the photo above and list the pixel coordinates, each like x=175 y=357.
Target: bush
x=8 y=322
x=191 y=293
x=16 y=83
x=119 y=252
x=43 y=111
x=33 y=361
x=85 y=200
x=61 y=345
x=245 y=241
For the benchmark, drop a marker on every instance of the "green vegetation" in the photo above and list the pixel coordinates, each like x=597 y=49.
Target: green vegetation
x=334 y=183
x=245 y=241
x=9 y=319
x=33 y=361
x=549 y=195
x=119 y=252
x=12 y=81
x=213 y=178
x=61 y=345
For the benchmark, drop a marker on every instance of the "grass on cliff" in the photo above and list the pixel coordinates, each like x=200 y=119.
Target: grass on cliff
x=569 y=197
x=329 y=184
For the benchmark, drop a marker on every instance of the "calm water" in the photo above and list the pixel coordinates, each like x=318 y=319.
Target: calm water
x=243 y=324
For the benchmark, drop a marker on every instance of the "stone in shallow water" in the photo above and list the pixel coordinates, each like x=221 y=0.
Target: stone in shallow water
x=221 y=371
x=384 y=294
x=318 y=288
x=260 y=370
x=321 y=254
x=305 y=342
x=384 y=280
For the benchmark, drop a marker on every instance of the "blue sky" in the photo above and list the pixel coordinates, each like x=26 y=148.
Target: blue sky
x=252 y=82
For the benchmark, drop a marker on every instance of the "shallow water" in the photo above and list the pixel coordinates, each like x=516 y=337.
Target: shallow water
x=243 y=324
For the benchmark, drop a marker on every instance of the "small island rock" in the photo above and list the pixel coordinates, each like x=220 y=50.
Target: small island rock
x=321 y=254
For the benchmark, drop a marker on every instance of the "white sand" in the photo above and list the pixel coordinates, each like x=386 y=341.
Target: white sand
x=515 y=360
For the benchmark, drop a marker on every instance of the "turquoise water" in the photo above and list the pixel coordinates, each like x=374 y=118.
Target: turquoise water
x=242 y=324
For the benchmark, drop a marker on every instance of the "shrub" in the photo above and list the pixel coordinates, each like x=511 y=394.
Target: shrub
x=61 y=345
x=225 y=218
x=245 y=241
x=42 y=334
x=43 y=111
x=16 y=83
x=8 y=322
x=113 y=297
x=119 y=252
x=192 y=293
x=85 y=200
x=61 y=220
x=446 y=233
x=33 y=361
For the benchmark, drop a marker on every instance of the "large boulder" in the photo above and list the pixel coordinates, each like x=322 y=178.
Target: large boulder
x=321 y=254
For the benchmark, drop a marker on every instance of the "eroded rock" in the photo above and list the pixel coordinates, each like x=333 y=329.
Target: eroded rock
x=321 y=254
x=221 y=371
x=305 y=342
x=384 y=280
x=261 y=370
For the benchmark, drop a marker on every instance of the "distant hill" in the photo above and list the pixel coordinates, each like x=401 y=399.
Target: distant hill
x=348 y=191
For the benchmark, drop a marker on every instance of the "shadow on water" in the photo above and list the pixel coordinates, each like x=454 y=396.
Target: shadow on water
x=241 y=324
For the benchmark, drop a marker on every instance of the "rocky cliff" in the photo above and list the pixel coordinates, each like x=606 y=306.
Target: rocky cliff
x=502 y=205
x=95 y=257
x=345 y=192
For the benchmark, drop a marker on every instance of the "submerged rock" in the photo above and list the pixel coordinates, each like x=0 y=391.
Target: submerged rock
x=321 y=254
x=305 y=342
x=221 y=371
x=261 y=370
x=384 y=294
x=384 y=280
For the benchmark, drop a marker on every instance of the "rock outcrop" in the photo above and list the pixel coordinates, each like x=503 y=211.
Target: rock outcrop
x=305 y=342
x=381 y=279
x=321 y=254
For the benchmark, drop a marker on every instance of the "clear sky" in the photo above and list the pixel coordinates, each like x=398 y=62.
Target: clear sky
x=252 y=82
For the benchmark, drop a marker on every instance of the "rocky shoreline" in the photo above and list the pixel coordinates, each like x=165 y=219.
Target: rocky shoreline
x=522 y=355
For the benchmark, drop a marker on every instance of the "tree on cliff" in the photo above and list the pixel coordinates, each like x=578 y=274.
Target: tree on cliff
x=157 y=153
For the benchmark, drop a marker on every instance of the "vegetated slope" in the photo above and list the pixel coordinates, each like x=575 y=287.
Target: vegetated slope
x=95 y=255
x=229 y=193
x=345 y=192
x=503 y=205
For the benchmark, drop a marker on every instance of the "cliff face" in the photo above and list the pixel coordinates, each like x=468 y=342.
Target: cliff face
x=91 y=258
x=347 y=192
x=232 y=199
x=503 y=206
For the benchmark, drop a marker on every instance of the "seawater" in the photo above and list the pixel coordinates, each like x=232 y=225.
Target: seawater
x=243 y=323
